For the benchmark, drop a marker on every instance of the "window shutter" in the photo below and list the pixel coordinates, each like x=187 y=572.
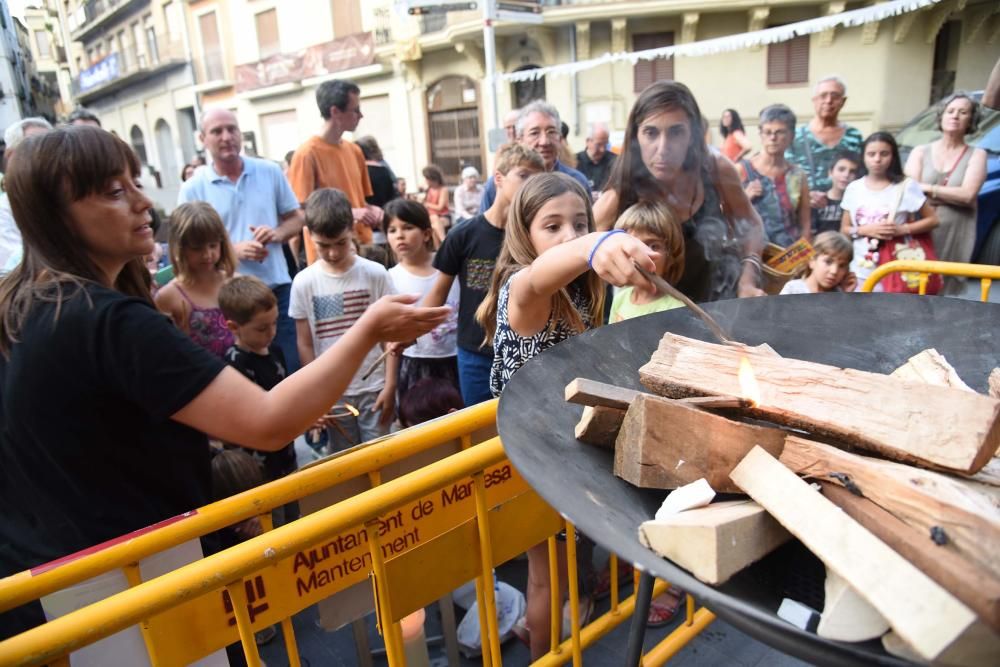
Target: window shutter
x=646 y=72
x=788 y=62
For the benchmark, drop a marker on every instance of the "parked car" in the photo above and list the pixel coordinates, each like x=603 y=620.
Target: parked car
x=923 y=129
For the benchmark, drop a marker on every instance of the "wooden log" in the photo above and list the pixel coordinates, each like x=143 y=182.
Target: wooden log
x=994 y=383
x=664 y=444
x=846 y=616
x=717 y=541
x=929 y=618
x=973 y=585
x=960 y=513
x=930 y=367
x=905 y=421
x=601 y=394
x=599 y=426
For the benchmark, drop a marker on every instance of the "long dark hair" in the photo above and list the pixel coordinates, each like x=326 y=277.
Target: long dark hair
x=735 y=123
x=629 y=177
x=895 y=171
x=47 y=173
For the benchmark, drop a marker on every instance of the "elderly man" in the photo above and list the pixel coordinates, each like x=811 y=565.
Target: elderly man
x=817 y=144
x=510 y=124
x=11 y=248
x=258 y=208
x=330 y=161
x=537 y=128
x=596 y=161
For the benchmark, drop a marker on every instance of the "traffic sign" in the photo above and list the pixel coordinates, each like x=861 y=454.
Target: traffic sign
x=423 y=7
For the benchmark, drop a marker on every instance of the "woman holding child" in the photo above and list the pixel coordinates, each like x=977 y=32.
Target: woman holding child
x=950 y=173
x=665 y=159
x=104 y=405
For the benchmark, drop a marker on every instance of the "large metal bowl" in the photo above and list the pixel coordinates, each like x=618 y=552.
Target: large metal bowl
x=872 y=332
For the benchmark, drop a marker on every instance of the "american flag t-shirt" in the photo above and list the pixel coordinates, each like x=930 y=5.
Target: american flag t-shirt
x=335 y=313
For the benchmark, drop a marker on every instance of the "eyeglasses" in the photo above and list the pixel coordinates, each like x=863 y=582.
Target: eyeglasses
x=551 y=134
x=774 y=134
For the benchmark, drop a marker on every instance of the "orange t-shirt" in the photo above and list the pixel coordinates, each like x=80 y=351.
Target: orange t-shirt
x=318 y=164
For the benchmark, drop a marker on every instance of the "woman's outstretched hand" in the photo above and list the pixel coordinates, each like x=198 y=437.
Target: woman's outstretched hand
x=395 y=318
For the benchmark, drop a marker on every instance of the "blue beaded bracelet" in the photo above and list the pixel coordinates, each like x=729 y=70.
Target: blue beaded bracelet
x=590 y=261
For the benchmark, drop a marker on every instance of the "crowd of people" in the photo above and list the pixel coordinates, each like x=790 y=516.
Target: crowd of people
x=251 y=345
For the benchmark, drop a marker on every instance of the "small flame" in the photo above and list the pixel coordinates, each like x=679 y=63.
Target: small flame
x=748 y=382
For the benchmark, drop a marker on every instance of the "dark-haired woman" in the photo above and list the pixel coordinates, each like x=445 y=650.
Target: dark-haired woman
x=734 y=139
x=80 y=339
x=950 y=173
x=665 y=159
x=436 y=202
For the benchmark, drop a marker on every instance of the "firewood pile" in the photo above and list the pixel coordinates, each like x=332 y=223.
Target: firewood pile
x=892 y=481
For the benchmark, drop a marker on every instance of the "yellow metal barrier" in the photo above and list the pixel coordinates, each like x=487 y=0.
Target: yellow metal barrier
x=471 y=502
x=986 y=273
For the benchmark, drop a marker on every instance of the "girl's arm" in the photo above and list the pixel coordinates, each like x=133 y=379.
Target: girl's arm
x=747 y=222
x=927 y=221
x=386 y=401
x=606 y=210
x=846 y=224
x=966 y=193
x=168 y=301
x=744 y=143
x=233 y=409
x=805 y=212
x=531 y=291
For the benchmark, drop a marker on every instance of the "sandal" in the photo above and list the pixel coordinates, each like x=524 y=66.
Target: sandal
x=663 y=608
x=602 y=580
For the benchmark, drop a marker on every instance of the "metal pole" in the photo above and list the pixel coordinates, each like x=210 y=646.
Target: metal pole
x=490 y=56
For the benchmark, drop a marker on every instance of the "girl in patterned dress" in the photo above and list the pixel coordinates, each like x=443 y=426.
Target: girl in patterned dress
x=543 y=293
x=203 y=259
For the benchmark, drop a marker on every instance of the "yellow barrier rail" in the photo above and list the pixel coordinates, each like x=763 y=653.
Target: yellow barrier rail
x=986 y=273
x=488 y=536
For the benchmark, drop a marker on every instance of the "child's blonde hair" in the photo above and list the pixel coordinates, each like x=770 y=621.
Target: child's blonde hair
x=512 y=155
x=656 y=220
x=518 y=252
x=834 y=244
x=192 y=225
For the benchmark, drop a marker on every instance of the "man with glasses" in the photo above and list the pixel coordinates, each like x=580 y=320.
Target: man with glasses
x=538 y=128
x=817 y=144
x=327 y=160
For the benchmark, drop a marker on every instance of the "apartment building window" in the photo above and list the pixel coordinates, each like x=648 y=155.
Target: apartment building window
x=268 y=42
x=151 y=46
x=123 y=55
x=646 y=72
x=788 y=62
x=42 y=40
x=211 y=47
x=174 y=16
x=140 y=55
x=346 y=17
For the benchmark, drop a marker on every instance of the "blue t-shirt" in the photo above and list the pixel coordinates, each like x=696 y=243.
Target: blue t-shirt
x=258 y=198
x=490 y=191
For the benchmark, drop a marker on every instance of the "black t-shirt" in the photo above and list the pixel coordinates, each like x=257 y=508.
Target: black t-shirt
x=470 y=251
x=265 y=371
x=88 y=451
x=383 y=187
x=827 y=219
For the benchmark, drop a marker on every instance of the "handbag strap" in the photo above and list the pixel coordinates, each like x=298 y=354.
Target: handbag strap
x=947 y=175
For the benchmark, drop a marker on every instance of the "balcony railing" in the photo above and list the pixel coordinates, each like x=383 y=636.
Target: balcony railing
x=95 y=13
x=130 y=64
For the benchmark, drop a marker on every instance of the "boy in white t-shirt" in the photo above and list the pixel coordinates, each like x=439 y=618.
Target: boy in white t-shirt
x=327 y=298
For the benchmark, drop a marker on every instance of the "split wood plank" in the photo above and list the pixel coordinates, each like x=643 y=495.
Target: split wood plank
x=599 y=426
x=847 y=617
x=968 y=517
x=593 y=393
x=911 y=422
x=930 y=367
x=973 y=585
x=994 y=383
x=934 y=622
x=717 y=541
x=665 y=444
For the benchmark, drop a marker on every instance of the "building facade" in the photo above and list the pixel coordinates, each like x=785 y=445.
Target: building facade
x=15 y=91
x=51 y=81
x=422 y=77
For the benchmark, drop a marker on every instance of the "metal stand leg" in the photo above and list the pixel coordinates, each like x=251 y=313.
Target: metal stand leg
x=637 y=633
